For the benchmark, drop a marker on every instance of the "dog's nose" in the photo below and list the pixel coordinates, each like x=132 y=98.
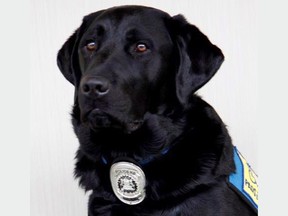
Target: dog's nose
x=94 y=86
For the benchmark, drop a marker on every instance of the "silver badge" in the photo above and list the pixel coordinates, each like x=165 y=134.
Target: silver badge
x=128 y=182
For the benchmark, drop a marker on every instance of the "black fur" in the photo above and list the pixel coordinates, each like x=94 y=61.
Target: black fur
x=150 y=106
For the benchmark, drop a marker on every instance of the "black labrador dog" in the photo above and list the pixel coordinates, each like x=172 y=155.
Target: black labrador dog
x=148 y=144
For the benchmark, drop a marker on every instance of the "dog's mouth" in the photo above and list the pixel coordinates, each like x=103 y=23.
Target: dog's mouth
x=98 y=119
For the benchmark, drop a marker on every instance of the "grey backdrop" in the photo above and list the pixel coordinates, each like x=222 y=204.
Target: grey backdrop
x=232 y=92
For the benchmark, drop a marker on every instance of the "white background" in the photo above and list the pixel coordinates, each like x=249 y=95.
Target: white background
x=230 y=25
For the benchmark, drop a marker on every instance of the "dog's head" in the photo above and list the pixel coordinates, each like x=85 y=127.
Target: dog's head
x=127 y=61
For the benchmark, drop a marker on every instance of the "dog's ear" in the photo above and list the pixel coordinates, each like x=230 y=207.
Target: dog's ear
x=199 y=59
x=67 y=58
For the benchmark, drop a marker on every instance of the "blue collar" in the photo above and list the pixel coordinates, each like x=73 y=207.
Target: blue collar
x=142 y=162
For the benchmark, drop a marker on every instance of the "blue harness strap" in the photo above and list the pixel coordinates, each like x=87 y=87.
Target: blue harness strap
x=244 y=180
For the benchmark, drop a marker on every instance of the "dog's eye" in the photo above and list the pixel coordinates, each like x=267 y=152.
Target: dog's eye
x=91 y=46
x=141 y=47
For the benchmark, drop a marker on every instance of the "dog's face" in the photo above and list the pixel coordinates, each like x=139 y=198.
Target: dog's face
x=122 y=60
x=128 y=61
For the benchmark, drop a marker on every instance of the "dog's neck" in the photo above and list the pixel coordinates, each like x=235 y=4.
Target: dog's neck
x=142 y=161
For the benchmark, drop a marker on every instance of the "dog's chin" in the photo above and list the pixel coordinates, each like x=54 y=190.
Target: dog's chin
x=100 y=120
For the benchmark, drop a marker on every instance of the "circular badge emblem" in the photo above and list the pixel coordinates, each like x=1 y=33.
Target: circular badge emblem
x=128 y=182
